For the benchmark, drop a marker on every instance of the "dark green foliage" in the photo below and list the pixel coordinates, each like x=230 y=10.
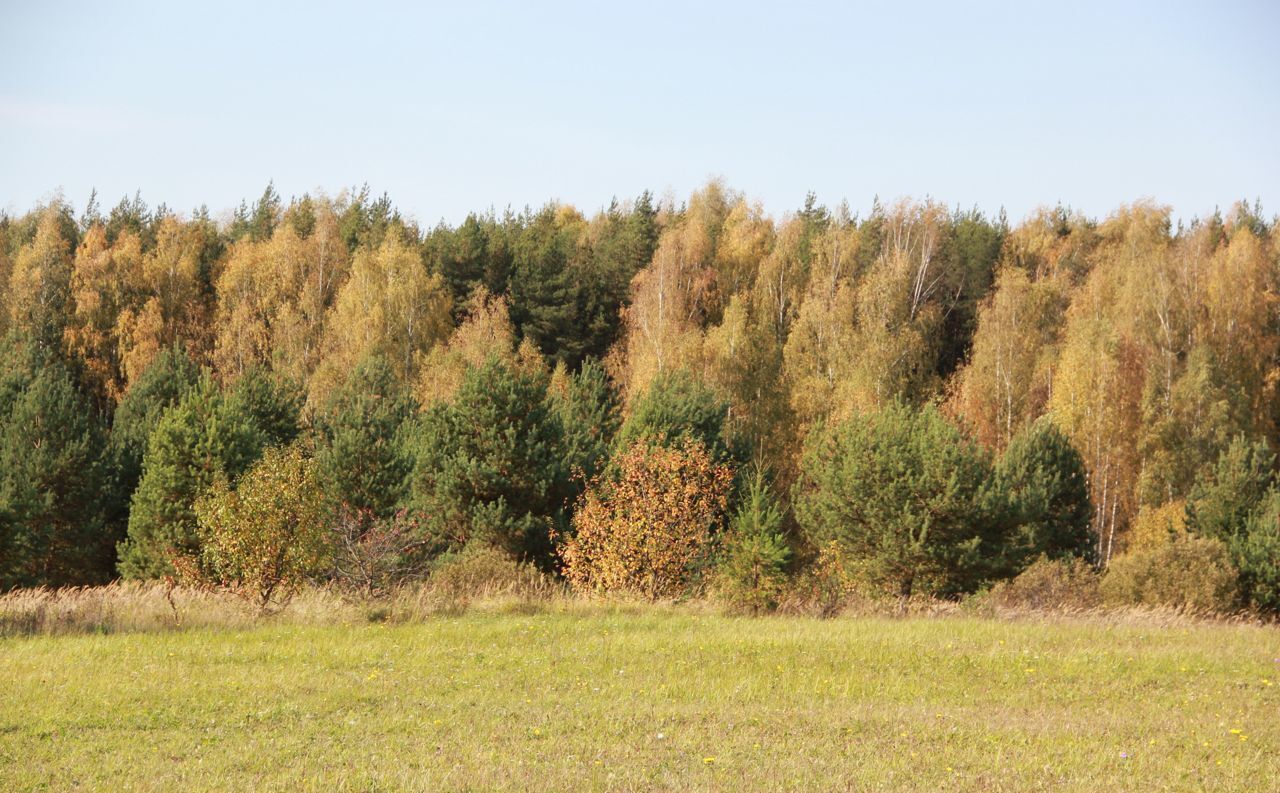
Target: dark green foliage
x=603 y=279
x=362 y=460
x=259 y=221
x=905 y=496
x=1190 y=423
x=475 y=254
x=169 y=377
x=273 y=405
x=973 y=245
x=205 y=436
x=816 y=219
x=675 y=406
x=1044 y=481
x=1240 y=506
x=53 y=475
x=489 y=465
x=301 y=215
x=543 y=288
x=367 y=222
x=132 y=216
x=588 y=410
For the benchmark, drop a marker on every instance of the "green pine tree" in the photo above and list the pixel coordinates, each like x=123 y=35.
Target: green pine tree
x=490 y=465
x=362 y=459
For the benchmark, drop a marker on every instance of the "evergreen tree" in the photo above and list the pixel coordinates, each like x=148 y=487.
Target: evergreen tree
x=675 y=406
x=1043 y=479
x=543 y=288
x=1256 y=554
x=205 y=436
x=1239 y=504
x=588 y=410
x=53 y=472
x=755 y=551
x=904 y=496
x=490 y=466
x=162 y=385
x=1221 y=503
x=272 y=404
x=362 y=460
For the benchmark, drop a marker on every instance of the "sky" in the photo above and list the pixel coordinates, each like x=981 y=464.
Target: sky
x=464 y=106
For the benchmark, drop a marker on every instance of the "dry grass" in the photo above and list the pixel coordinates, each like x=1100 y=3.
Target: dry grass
x=130 y=607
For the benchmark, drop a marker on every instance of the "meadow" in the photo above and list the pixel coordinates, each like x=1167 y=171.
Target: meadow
x=574 y=697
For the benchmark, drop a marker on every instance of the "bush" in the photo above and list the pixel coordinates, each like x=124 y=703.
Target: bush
x=645 y=526
x=1194 y=574
x=373 y=554
x=480 y=570
x=267 y=536
x=1050 y=584
x=824 y=586
x=754 y=554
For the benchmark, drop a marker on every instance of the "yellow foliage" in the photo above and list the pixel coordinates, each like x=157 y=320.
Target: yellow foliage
x=1157 y=526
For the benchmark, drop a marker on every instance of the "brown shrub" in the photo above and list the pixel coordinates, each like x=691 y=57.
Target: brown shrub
x=1050 y=585
x=645 y=526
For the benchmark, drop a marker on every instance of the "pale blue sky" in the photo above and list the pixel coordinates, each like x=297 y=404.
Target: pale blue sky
x=459 y=106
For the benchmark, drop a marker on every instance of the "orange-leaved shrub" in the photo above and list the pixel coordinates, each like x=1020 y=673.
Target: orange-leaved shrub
x=645 y=524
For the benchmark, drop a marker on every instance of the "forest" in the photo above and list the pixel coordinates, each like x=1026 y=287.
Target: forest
x=664 y=398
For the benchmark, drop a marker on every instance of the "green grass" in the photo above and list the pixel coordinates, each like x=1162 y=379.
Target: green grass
x=628 y=701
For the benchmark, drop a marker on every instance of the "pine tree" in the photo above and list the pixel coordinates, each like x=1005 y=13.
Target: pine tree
x=906 y=498
x=589 y=414
x=676 y=406
x=53 y=477
x=362 y=459
x=203 y=437
x=490 y=466
x=1044 y=480
x=164 y=383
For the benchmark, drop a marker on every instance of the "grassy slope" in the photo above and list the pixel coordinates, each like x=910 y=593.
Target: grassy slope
x=564 y=701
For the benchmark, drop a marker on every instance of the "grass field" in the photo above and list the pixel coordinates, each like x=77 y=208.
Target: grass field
x=635 y=701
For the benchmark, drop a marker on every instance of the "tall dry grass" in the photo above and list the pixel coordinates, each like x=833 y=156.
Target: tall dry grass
x=476 y=581
x=153 y=607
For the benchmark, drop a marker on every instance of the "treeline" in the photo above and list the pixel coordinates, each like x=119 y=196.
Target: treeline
x=650 y=399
